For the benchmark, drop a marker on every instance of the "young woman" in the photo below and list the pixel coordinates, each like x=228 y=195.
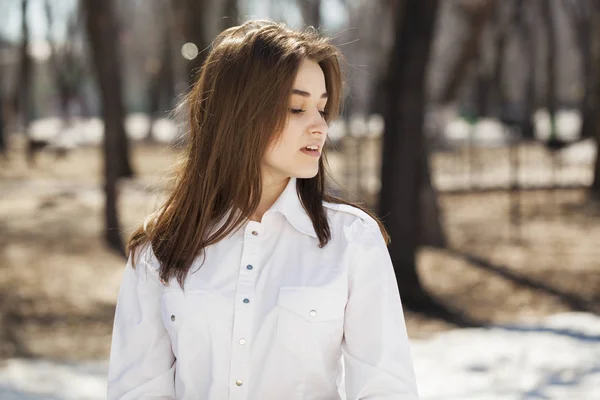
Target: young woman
x=252 y=282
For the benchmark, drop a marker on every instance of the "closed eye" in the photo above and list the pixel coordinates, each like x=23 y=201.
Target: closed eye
x=299 y=111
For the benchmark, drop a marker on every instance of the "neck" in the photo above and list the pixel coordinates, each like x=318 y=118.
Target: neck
x=270 y=193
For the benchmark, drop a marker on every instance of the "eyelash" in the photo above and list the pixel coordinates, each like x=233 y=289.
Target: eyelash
x=298 y=111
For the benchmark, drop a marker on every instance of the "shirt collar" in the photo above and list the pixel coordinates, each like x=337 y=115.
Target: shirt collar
x=290 y=205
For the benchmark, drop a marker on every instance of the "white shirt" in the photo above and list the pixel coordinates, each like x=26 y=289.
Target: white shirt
x=269 y=316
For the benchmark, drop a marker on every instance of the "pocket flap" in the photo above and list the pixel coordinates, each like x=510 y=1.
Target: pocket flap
x=312 y=303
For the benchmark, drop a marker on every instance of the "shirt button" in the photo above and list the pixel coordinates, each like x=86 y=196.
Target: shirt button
x=242 y=341
x=255 y=233
x=246 y=300
x=172 y=317
x=239 y=382
x=313 y=313
x=249 y=267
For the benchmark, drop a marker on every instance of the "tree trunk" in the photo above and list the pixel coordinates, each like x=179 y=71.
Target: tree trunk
x=431 y=231
x=62 y=78
x=404 y=153
x=477 y=15
x=549 y=26
x=161 y=83
x=482 y=89
x=192 y=14
x=311 y=12
x=524 y=15
x=168 y=72
x=587 y=108
x=498 y=100
x=23 y=95
x=154 y=97
x=122 y=150
x=595 y=188
x=580 y=19
x=3 y=144
x=22 y=92
x=101 y=28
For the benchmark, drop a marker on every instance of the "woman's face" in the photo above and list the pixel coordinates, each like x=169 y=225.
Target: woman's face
x=305 y=126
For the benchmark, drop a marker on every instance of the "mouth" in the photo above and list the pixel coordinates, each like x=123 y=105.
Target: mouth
x=312 y=152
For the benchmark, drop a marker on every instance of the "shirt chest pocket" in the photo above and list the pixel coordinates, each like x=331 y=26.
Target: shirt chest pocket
x=185 y=316
x=310 y=320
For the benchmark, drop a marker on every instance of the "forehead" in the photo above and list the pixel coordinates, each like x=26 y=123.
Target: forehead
x=310 y=78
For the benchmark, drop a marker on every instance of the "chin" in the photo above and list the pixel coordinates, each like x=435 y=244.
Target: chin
x=307 y=174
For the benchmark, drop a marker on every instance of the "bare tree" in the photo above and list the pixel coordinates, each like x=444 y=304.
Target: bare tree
x=102 y=35
x=405 y=177
x=502 y=26
x=23 y=83
x=190 y=14
x=22 y=92
x=476 y=14
x=161 y=84
x=120 y=153
x=3 y=140
x=580 y=18
x=3 y=144
x=65 y=62
x=524 y=14
x=551 y=61
x=488 y=89
x=595 y=188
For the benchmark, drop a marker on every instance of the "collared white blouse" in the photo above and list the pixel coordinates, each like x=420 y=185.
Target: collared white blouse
x=269 y=316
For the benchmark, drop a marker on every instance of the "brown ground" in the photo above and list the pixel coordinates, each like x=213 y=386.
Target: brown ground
x=58 y=282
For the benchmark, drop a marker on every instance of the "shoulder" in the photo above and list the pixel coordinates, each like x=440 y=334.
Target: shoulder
x=350 y=220
x=349 y=212
x=144 y=258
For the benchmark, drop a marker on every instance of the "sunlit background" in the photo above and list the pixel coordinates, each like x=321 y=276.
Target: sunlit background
x=469 y=126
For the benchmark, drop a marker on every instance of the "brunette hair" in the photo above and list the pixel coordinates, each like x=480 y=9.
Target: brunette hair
x=237 y=107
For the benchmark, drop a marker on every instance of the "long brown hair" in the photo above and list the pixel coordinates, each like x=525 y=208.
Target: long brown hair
x=236 y=108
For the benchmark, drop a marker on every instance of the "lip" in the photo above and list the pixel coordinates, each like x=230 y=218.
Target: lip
x=318 y=144
x=312 y=153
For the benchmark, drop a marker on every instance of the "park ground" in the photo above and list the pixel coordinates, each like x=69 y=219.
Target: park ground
x=58 y=281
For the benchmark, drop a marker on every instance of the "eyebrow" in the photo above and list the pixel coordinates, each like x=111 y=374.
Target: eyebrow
x=306 y=94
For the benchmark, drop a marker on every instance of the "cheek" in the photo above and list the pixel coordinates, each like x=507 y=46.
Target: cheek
x=281 y=152
x=287 y=147
x=290 y=138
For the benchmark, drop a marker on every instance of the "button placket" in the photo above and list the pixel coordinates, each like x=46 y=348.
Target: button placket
x=243 y=310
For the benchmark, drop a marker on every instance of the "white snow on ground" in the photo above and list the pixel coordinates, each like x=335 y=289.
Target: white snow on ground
x=89 y=131
x=487 y=131
x=39 y=379
x=557 y=358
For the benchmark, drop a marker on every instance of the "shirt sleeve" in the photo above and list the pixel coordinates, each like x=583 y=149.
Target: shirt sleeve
x=142 y=364
x=377 y=359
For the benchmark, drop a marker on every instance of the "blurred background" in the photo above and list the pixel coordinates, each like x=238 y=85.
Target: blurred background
x=469 y=126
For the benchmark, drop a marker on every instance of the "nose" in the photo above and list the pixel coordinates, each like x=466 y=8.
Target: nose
x=318 y=125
